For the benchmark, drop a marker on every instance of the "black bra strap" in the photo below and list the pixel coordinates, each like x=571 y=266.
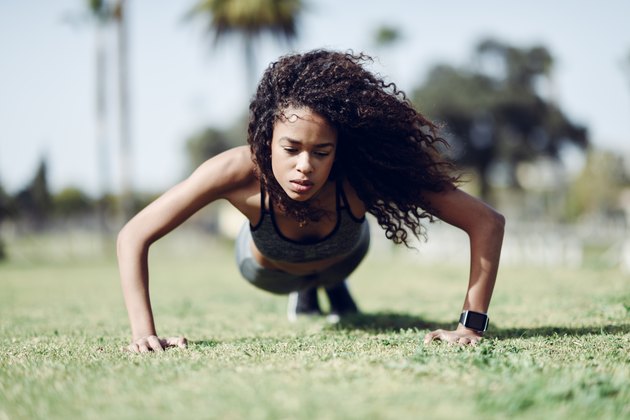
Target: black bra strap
x=262 y=209
x=262 y=199
x=341 y=193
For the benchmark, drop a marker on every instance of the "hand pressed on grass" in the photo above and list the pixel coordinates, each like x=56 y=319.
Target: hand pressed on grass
x=155 y=343
x=461 y=335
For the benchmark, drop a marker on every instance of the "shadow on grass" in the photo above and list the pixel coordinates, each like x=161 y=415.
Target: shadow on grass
x=392 y=322
x=389 y=322
x=549 y=331
x=385 y=322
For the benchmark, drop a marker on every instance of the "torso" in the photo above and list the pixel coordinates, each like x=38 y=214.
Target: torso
x=247 y=199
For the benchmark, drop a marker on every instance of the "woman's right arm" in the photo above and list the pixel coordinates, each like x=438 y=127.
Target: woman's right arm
x=218 y=177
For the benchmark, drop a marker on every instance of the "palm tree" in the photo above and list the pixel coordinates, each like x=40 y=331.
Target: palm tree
x=250 y=19
x=105 y=13
x=102 y=16
x=625 y=65
x=120 y=17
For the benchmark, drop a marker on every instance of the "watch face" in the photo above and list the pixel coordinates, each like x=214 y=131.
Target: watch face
x=476 y=321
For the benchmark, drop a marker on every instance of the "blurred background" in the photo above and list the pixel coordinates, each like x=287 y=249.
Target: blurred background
x=104 y=104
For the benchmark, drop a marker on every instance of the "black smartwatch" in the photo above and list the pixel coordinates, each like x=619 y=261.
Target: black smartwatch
x=477 y=321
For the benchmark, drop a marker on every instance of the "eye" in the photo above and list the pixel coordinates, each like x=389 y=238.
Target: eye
x=322 y=154
x=290 y=150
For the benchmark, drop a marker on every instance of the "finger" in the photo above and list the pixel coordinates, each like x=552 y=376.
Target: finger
x=436 y=335
x=463 y=340
x=180 y=342
x=430 y=337
x=133 y=348
x=449 y=337
x=143 y=348
x=154 y=343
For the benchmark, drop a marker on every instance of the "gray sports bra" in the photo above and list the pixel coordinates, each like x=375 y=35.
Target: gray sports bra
x=341 y=241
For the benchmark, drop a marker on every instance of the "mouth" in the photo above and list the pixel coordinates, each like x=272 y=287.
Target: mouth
x=302 y=185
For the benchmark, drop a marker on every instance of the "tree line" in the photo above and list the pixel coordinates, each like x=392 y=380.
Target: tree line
x=498 y=113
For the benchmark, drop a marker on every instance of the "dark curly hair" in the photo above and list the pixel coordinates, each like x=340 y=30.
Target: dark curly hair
x=387 y=150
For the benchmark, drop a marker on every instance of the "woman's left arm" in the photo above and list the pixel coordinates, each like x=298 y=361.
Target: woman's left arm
x=484 y=227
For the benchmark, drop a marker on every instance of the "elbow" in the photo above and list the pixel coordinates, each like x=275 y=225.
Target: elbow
x=496 y=223
x=128 y=240
x=487 y=223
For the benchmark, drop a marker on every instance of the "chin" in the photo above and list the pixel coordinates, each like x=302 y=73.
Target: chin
x=298 y=197
x=294 y=196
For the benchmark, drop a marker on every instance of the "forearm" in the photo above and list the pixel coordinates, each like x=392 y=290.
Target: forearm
x=485 y=228
x=485 y=251
x=134 y=278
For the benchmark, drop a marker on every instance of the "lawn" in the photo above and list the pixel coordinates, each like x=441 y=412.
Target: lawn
x=558 y=347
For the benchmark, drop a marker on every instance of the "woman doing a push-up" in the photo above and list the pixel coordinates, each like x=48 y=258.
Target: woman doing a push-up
x=328 y=142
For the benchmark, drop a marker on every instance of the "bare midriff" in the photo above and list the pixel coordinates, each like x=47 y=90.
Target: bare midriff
x=299 y=269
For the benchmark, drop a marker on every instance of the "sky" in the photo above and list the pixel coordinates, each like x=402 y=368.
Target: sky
x=180 y=83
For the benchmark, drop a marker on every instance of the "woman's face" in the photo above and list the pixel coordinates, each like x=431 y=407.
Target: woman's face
x=302 y=152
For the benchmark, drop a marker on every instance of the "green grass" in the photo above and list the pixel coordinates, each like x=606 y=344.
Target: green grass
x=559 y=346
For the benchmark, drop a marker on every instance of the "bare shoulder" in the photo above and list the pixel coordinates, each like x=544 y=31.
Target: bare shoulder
x=225 y=173
x=458 y=208
x=231 y=175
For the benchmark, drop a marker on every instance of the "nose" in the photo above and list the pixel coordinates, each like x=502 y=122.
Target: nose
x=304 y=163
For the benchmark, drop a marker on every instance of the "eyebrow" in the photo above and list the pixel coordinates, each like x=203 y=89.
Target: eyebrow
x=295 y=141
